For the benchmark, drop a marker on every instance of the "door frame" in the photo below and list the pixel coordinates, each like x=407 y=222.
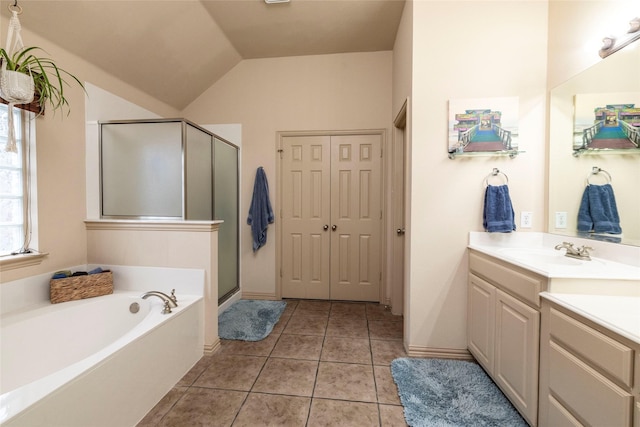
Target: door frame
x=398 y=192
x=383 y=197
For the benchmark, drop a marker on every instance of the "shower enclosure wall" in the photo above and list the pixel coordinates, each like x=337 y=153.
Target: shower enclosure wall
x=173 y=169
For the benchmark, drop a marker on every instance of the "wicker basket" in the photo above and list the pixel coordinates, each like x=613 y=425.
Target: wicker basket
x=80 y=287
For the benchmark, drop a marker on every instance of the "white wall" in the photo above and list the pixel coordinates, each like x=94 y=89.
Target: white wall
x=465 y=50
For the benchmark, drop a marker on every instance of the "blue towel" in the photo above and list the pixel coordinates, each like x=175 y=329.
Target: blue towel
x=498 y=211
x=598 y=212
x=260 y=212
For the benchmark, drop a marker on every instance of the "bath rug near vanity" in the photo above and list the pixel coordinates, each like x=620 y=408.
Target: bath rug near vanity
x=440 y=392
x=249 y=320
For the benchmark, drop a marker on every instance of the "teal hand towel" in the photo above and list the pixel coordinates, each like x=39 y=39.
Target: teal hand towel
x=498 y=213
x=260 y=212
x=598 y=211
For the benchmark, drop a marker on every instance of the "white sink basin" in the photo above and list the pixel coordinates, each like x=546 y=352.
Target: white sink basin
x=542 y=256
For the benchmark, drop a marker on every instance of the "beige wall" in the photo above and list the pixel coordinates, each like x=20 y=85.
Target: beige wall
x=61 y=163
x=457 y=55
x=327 y=92
x=403 y=59
x=402 y=88
x=576 y=29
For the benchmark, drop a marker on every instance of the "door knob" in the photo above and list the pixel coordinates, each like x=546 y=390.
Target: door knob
x=325 y=227
x=334 y=227
x=400 y=231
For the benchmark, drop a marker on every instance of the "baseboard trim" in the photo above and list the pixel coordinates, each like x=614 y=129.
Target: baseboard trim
x=259 y=295
x=440 y=353
x=212 y=348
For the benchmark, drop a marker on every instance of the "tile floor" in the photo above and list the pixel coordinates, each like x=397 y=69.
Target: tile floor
x=324 y=364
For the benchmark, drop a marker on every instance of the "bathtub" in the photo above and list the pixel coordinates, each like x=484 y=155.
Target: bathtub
x=93 y=362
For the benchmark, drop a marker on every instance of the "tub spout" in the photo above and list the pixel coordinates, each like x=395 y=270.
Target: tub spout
x=169 y=302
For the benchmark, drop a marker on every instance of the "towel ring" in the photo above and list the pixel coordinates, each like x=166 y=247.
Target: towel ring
x=595 y=171
x=493 y=173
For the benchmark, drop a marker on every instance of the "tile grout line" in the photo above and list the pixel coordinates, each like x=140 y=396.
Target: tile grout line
x=325 y=336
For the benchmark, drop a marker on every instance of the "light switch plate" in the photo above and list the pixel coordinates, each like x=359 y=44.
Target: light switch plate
x=526 y=219
x=561 y=220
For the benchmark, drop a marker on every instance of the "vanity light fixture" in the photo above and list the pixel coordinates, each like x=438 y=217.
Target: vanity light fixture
x=276 y=1
x=611 y=44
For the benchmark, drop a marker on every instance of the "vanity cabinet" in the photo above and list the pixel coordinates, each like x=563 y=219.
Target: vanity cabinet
x=503 y=323
x=586 y=372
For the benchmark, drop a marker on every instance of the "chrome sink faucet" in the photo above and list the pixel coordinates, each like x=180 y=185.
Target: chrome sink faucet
x=572 y=252
x=169 y=301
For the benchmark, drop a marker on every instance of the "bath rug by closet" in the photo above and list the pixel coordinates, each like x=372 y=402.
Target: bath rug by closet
x=249 y=320
x=448 y=393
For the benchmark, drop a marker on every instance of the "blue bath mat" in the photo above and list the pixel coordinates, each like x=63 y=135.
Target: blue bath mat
x=448 y=393
x=249 y=320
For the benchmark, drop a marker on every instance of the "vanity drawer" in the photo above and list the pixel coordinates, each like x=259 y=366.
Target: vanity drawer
x=559 y=416
x=586 y=392
x=508 y=277
x=603 y=352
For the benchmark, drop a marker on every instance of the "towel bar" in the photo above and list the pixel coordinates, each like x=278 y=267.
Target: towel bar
x=495 y=172
x=595 y=171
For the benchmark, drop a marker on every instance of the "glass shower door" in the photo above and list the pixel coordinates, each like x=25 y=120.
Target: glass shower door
x=226 y=208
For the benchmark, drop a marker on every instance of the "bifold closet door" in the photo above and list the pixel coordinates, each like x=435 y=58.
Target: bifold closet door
x=356 y=213
x=331 y=216
x=306 y=198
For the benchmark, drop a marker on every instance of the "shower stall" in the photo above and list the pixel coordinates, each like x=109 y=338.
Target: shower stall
x=173 y=169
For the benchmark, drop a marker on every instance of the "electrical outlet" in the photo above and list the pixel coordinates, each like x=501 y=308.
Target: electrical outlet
x=526 y=219
x=561 y=220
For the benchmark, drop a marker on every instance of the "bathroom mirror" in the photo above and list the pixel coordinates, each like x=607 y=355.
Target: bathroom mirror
x=615 y=77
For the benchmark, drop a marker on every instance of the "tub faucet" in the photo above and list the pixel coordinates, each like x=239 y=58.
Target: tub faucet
x=169 y=302
x=573 y=252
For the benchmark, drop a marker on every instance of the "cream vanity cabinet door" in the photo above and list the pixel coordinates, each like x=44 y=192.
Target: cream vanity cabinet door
x=517 y=339
x=586 y=375
x=637 y=390
x=503 y=327
x=481 y=321
x=503 y=336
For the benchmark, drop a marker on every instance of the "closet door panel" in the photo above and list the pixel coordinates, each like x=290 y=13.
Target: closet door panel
x=305 y=211
x=356 y=212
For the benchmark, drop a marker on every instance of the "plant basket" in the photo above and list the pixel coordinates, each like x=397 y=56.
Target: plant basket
x=33 y=106
x=80 y=287
x=16 y=87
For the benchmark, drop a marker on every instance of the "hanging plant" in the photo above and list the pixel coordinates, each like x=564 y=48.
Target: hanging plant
x=48 y=79
x=24 y=75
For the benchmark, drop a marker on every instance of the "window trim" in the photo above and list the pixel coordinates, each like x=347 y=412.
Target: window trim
x=11 y=262
x=29 y=199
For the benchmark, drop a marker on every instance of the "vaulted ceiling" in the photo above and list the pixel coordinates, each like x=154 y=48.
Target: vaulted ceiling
x=176 y=49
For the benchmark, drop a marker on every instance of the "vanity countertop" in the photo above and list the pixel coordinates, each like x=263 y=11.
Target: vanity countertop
x=620 y=314
x=535 y=252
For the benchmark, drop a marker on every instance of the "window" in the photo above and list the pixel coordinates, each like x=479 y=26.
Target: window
x=15 y=176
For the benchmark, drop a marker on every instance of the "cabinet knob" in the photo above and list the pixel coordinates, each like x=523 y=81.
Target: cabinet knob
x=400 y=231
x=325 y=227
x=334 y=227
